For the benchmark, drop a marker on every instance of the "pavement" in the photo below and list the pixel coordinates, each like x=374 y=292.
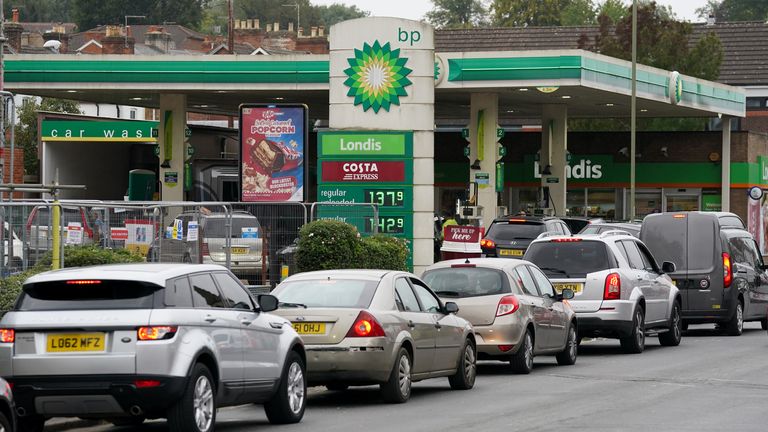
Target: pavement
x=711 y=382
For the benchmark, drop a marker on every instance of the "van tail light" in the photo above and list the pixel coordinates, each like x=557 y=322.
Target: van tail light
x=156 y=333
x=507 y=305
x=727 y=270
x=7 y=335
x=488 y=244
x=365 y=326
x=204 y=249
x=612 y=290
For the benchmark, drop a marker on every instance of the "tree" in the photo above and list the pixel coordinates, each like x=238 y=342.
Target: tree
x=579 y=12
x=27 y=133
x=457 y=13
x=524 y=13
x=735 y=10
x=337 y=12
x=92 y=13
x=40 y=10
x=613 y=9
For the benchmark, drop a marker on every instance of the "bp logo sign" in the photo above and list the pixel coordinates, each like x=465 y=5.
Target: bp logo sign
x=377 y=77
x=675 y=87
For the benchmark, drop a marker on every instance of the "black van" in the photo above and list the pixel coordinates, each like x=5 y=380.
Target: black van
x=720 y=271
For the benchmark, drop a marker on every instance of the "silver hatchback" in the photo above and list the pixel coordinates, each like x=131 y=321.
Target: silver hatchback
x=130 y=342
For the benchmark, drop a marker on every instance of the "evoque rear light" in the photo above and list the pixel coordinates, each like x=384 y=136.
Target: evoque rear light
x=7 y=335
x=156 y=333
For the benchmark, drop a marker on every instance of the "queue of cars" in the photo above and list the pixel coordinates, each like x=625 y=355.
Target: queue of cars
x=133 y=342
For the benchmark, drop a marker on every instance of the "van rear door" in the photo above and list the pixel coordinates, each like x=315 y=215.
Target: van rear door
x=666 y=236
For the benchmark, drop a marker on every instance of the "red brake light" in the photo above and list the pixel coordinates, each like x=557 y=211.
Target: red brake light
x=679 y=216
x=83 y=282
x=146 y=383
x=612 y=290
x=7 y=335
x=365 y=326
x=566 y=240
x=517 y=221
x=465 y=265
x=727 y=270
x=505 y=348
x=486 y=243
x=507 y=305
x=204 y=249
x=156 y=333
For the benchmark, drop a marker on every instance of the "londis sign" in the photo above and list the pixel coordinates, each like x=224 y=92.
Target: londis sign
x=366 y=144
x=333 y=171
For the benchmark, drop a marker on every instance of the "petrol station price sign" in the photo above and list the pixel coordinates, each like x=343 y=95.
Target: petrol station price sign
x=385 y=197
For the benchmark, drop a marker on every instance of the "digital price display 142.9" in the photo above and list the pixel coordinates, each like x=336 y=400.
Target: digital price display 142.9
x=387 y=225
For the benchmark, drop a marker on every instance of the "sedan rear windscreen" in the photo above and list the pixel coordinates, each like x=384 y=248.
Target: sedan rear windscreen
x=332 y=293
x=87 y=294
x=515 y=231
x=569 y=259
x=217 y=227
x=466 y=282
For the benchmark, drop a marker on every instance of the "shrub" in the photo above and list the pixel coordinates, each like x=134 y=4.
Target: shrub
x=81 y=256
x=328 y=244
x=383 y=252
x=10 y=287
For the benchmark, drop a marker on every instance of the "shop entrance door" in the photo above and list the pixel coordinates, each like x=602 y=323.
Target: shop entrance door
x=682 y=199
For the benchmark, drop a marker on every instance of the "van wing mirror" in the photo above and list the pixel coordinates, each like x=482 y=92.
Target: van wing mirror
x=668 y=267
x=567 y=294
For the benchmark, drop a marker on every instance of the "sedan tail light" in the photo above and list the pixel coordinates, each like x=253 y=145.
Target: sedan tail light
x=487 y=243
x=507 y=305
x=7 y=335
x=156 y=333
x=727 y=270
x=612 y=289
x=365 y=326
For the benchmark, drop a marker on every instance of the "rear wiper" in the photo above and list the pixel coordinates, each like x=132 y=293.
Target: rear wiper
x=448 y=293
x=554 y=270
x=293 y=305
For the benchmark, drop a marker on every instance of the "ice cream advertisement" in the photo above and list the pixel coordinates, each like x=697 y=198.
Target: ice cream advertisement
x=272 y=140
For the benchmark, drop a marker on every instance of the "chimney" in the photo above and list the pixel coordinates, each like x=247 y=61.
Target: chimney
x=269 y=28
x=13 y=31
x=15 y=13
x=290 y=26
x=256 y=24
x=711 y=19
x=276 y=27
x=116 y=42
x=300 y=32
x=313 y=31
x=321 y=31
x=159 y=38
x=250 y=24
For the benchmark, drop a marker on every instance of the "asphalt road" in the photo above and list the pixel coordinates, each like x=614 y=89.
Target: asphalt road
x=710 y=382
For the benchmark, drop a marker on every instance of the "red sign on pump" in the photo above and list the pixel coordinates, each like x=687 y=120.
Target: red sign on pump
x=363 y=171
x=462 y=234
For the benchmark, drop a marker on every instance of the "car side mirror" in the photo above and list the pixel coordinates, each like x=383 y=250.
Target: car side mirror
x=267 y=302
x=668 y=267
x=567 y=294
x=451 y=308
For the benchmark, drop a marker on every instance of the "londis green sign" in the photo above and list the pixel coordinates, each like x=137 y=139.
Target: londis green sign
x=366 y=144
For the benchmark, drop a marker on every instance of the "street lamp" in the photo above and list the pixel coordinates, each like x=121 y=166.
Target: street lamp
x=126 y=26
x=633 y=115
x=298 y=14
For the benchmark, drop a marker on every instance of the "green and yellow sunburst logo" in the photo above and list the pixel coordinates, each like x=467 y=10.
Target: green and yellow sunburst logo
x=377 y=76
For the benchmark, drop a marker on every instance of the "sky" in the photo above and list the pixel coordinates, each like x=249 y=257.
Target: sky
x=415 y=9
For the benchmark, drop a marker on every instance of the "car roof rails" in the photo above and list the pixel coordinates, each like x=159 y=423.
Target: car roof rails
x=614 y=233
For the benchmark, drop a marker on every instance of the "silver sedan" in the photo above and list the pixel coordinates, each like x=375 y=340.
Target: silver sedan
x=363 y=327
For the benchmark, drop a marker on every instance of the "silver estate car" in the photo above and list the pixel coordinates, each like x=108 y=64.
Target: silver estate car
x=364 y=327
x=620 y=290
x=136 y=341
x=513 y=308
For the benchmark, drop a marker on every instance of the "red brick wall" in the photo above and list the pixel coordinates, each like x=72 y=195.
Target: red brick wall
x=18 y=168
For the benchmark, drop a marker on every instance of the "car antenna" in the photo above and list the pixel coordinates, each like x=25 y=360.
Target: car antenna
x=467 y=261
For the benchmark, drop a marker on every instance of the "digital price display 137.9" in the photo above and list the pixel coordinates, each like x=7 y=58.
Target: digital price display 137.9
x=384 y=197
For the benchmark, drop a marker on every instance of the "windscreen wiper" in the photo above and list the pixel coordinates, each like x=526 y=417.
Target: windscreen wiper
x=448 y=293
x=293 y=305
x=554 y=270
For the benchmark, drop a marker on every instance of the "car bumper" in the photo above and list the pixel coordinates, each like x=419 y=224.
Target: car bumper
x=361 y=362
x=95 y=396
x=506 y=332
x=614 y=319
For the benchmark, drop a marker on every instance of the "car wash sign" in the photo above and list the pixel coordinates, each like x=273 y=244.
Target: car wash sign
x=104 y=131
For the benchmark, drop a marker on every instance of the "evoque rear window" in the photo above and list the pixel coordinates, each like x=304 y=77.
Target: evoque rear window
x=106 y=294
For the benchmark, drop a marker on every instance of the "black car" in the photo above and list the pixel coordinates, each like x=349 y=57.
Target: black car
x=720 y=271
x=578 y=223
x=509 y=236
x=7 y=409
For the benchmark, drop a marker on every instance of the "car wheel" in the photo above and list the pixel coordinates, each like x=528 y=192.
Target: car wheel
x=397 y=389
x=684 y=326
x=30 y=423
x=336 y=387
x=764 y=324
x=675 y=333
x=196 y=410
x=635 y=342
x=522 y=360
x=735 y=326
x=464 y=378
x=288 y=404
x=5 y=425
x=567 y=356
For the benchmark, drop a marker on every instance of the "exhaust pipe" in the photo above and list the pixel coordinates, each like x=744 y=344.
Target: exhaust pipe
x=135 y=410
x=21 y=411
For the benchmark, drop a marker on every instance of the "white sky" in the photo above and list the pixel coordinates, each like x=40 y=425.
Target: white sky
x=415 y=9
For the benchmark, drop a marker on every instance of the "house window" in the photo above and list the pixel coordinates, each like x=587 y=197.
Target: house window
x=133 y=114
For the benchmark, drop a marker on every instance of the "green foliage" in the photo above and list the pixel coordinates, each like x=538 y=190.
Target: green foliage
x=523 y=13
x=579 y=12
x=92 y=13
x=328 y=244
x=457 y=14
x=735 y=10
x=384 y=252
x=82 y=256
x=26 y=131
x=10 y=287
x=613 y=9
x=40 y=10
x=338 y=12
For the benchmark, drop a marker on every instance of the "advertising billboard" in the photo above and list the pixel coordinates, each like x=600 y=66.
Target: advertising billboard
x=272 y=143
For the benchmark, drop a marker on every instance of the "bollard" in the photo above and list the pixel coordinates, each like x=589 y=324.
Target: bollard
x=56 y=228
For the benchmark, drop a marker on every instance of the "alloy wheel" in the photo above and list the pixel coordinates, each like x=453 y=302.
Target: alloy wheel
x=528 y=351
x=640 y=328
x=740 y=317
x=203 y=403
x=470 y=366
x=296 y=389
x=677 y=326
x=404 y=375
x=573 y=345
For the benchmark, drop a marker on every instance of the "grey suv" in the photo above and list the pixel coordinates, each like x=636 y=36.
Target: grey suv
x=129 y=342
x=619 y=289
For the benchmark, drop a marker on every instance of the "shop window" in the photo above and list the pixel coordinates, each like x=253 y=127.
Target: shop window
x=601 y=203
x=647 y=202
x=575 y=200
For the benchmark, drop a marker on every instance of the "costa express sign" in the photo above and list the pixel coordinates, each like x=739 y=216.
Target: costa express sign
x=365 y=171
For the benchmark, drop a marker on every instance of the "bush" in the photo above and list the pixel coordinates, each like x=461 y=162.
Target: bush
x=81 y=256
x=326 y=245
x=383 y=252
x=10 y=287
x=331 y=244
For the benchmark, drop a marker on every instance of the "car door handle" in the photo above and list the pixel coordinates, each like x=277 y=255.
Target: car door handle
x=438 y=326
x=246 y=322
x=209 y=318
x=411 y=324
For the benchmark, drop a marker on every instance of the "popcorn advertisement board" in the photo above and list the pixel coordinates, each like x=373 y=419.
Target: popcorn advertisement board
x=272 y=142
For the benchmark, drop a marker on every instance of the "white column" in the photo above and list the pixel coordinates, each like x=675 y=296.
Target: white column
x=488 y=104
x=554 y=146
x=726 y=166
x=173 y=112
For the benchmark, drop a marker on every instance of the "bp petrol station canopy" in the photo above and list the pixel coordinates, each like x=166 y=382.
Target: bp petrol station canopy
x=591 y=85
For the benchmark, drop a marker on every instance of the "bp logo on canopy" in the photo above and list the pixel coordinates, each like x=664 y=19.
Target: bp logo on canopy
x=377 y=77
